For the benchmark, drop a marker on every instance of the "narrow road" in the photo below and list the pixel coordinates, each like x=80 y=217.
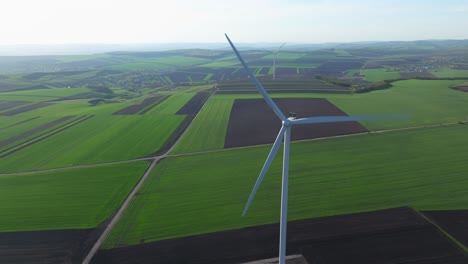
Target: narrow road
x=156 y=159
x=220 y=150
x=127 y=201
x=119 y=213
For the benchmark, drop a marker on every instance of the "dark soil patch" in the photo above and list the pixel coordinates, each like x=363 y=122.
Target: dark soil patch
x=26 y=108
x=264 y=70
x=284 y=70
x=48 y=246
x=337 y=68
x=286 y=91
x=33 y=131
x=389 y=236
x=10 y=104
x=455 y=222
x=34 y=87
x=190 y=109
x=461 y=88
x=410 y=75
x=310 y=85
x=21 y=122
x=157 y=102
x=252 y=122
x=145 y=106
x=195 y=104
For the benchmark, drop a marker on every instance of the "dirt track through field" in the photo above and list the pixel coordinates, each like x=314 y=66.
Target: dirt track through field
x=127 y=201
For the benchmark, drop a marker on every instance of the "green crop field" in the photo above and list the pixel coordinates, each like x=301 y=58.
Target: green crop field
x=65 y=199
x=408 y=103
x=450 y=73
x=41 y=94
x=70 y=156
x=209 y=128
x=375 y=75
x=102 y=138
x=285 y=56
x=161 y=63
x=187 y=195
x=13 y=126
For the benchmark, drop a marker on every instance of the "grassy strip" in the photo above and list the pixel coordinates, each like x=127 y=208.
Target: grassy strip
x=39 y=138
x=103 y=138
x=33 y=131
x=158 y=101
x=194 y=194
x=209 y=128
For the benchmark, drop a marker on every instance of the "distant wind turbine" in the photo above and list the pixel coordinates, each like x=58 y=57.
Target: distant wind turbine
x=274 y=59
x=285 y=132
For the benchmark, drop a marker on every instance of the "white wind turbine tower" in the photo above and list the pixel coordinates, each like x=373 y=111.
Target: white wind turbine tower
x=274 y=59
x=285 y=132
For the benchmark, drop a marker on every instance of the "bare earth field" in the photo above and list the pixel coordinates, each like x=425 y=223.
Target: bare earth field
x=453 y=221
x=190 y=110
x=253 y=123
x=49 y=246
x=398 y=235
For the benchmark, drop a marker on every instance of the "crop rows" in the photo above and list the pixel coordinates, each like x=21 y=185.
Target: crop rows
x=71 y=198
x=200 y=193
x=312 y=86
x=33 y=131
x=11 y=104
x=23 y=109
x=28 y=142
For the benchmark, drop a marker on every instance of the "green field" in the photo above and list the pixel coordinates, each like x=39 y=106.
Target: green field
x=375 y=75
x=102 y=138
x=65 y=199
x=285 y=56
x=423 y=168
x=450 y=73
x=58 y=176
x=161 y=63
x=208 y=129
x=41 y=94
x=408 y=103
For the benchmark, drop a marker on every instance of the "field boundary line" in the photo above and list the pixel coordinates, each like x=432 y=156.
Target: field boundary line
x=33 y=141
x=445 y=233
x=325 y=138
x=167 y=154
x=122 y=208
x=189 y=126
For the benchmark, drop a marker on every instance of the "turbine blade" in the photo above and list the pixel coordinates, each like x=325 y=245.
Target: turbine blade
x=330 y=119
x=259 y=86
x=269 y=51
x=276 y=51
x=266 y=166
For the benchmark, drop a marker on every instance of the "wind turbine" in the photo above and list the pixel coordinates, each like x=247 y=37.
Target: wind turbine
x=274 y=59
x=285 y=132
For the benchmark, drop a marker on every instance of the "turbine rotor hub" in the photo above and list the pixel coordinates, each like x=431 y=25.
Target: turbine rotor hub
x=287 y=122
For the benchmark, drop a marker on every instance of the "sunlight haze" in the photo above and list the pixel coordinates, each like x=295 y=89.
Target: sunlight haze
x=145 y=21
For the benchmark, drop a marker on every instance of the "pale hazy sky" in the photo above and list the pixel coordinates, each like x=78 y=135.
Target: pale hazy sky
x=156 y=21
